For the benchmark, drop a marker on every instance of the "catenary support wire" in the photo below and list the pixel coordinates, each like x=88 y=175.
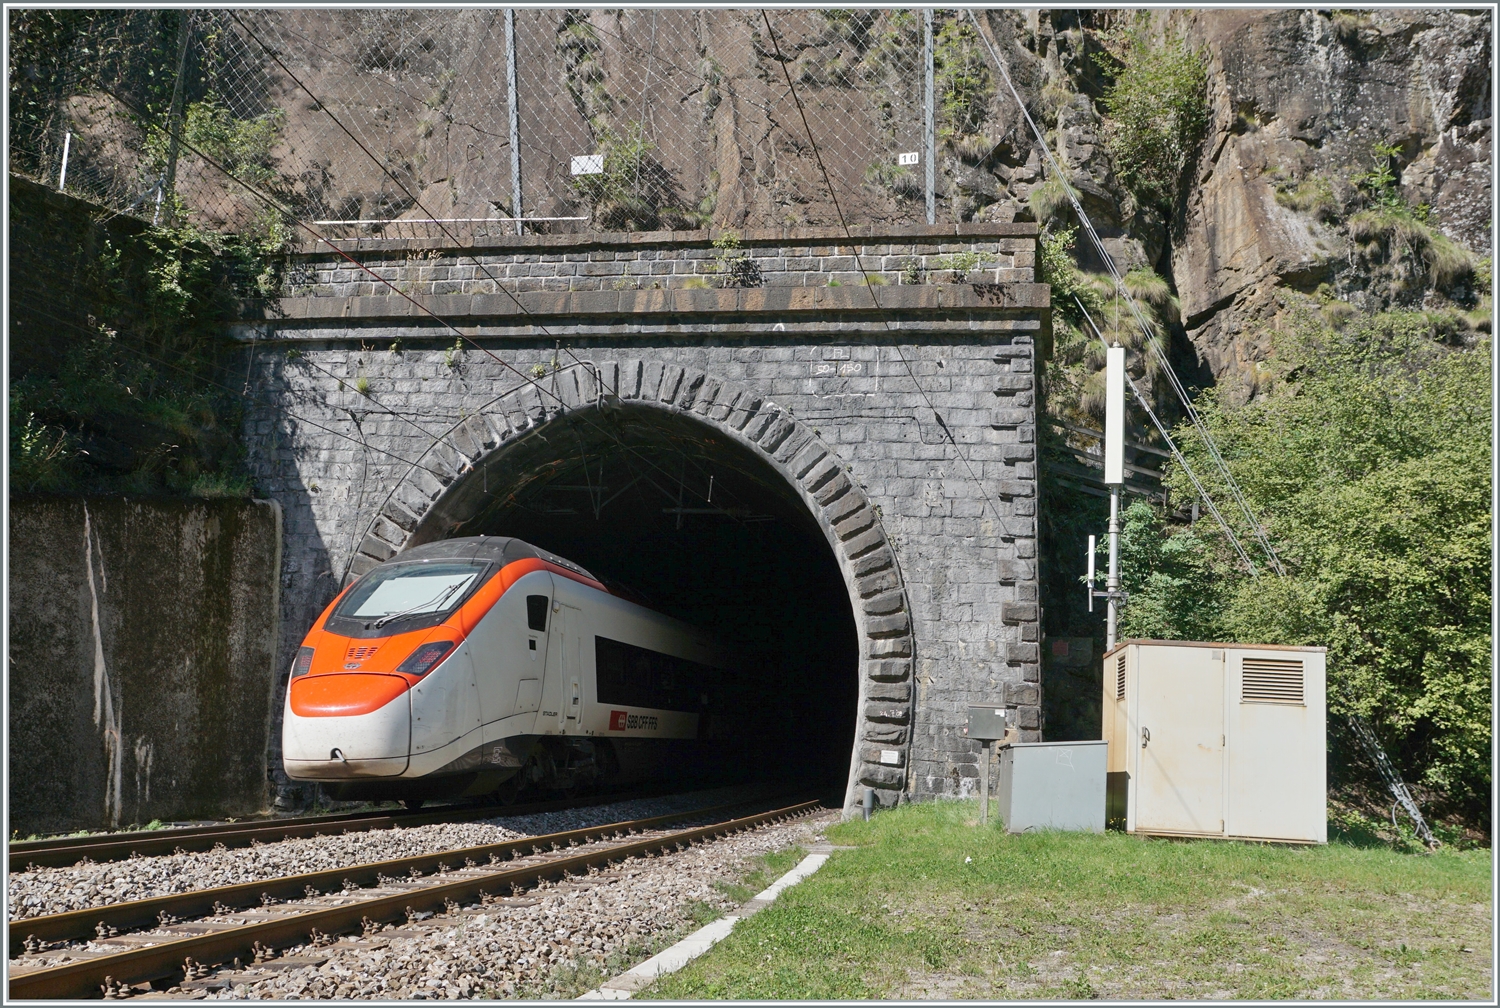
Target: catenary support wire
x=1146 y=328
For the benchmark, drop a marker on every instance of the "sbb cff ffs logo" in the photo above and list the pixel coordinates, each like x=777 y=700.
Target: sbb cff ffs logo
x=620 y=720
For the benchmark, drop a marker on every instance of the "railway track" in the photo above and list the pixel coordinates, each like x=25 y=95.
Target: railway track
x=251 y=920
x=65 y=851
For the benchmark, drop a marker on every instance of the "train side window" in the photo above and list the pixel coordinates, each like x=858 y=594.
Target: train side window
x=536 y=612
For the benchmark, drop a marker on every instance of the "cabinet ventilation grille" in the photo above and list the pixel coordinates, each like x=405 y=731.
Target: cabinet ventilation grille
x=1271 y=680
x=1120 y=677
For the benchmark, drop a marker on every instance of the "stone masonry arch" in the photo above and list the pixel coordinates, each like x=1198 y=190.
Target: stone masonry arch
x=418 y=509
x=888 y=380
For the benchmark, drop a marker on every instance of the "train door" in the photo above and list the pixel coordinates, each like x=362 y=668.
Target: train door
x=562 y=670
x=528 y=696
x=509 y=649
x=572 y=669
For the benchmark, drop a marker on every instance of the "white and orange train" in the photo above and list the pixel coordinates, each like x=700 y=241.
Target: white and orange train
x=487 y=666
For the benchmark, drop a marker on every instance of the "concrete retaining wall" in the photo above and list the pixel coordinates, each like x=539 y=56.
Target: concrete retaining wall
x=142 y=641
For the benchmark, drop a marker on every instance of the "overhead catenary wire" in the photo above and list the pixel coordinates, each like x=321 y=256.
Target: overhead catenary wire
x=277 y=207
x=1146 y=328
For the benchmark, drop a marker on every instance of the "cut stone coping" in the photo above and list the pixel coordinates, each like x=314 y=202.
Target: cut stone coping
x=700 y=941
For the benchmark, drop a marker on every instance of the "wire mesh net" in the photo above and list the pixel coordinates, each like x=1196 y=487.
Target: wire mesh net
x=403 y=122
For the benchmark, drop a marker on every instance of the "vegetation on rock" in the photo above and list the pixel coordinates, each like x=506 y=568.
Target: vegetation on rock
x=137 y=401
x=1157 y=109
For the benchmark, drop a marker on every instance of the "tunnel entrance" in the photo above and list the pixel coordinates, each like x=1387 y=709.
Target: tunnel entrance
x=674 y=512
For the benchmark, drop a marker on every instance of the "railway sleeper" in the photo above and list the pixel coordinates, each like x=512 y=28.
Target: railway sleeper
x=79 y=924
x=60 y=852
x=117 y=974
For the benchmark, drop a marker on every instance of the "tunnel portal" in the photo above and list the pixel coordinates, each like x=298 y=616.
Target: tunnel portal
x=836 y=478
x=675 y=515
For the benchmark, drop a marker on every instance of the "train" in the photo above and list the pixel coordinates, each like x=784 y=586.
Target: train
x=485 y=666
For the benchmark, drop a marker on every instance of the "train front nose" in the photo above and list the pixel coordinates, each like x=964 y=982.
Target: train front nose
x=347 y=725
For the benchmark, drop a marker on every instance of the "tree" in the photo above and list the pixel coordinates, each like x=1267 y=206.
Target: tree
x=1369 y=466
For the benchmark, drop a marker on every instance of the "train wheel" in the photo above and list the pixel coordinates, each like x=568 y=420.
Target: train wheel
x=413 y=803
x=507 y=793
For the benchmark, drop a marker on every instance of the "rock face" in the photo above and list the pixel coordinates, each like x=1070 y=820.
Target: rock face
x=695 y=115
x=1296 y=95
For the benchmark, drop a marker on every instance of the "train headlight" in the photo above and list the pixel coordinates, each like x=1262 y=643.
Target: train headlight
x=422 y=660
x=303 y=663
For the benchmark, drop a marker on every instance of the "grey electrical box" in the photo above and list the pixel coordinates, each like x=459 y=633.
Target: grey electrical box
x=987 y=722
x=1052 y=786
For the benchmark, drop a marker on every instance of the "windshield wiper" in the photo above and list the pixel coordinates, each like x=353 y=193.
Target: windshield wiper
x=436 y=603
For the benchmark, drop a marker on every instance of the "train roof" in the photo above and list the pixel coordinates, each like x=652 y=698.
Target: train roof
x=500 y=549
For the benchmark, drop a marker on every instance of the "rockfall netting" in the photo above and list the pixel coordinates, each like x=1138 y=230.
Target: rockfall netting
x=404 y=122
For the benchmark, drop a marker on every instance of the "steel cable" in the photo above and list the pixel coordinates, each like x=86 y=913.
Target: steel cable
x=1146 y=328
x=859 y=264
x=499 y=285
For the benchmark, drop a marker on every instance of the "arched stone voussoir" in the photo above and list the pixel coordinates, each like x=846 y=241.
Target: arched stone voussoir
x=851 y=525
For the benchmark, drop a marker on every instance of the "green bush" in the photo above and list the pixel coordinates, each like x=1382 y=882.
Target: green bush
x=1157 y=109
x=1056 y=268
x=1391 y=226
x=1369 y=465
x=39 y=453
x=962 y=264
x=631 y=192
x=732 y=263
x=137 y=401
x=961 y=79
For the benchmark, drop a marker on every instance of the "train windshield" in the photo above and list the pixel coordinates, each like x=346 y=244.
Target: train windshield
x=408 y=593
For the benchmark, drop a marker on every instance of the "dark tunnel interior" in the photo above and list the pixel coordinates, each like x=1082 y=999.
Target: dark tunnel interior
x=696 y=525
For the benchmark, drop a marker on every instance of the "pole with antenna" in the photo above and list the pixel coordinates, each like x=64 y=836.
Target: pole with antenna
x=1114 y=477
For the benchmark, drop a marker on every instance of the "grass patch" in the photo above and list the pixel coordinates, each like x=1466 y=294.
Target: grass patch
x=930 y=906
x=1312 y=196
x=767 y=869
x=576 y=977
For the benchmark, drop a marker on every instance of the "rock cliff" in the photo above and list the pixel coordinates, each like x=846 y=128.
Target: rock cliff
x=1343 y=156
x=1298 y=101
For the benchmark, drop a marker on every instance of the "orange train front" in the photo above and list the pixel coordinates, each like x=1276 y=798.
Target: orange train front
x=485 y=665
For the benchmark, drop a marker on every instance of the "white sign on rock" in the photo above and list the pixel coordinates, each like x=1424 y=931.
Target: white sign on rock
x=588 y=164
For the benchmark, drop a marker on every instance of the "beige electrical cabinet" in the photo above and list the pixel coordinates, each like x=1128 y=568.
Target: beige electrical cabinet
x=1217 y=740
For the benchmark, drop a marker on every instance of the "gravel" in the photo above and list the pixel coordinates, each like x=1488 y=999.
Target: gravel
x=56 y=890
x=576 y=934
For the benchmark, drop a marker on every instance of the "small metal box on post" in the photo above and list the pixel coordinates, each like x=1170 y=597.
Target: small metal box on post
x=989 y=723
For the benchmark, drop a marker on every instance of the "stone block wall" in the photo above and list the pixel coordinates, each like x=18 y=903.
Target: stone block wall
x=922 y=394
x=992 y=254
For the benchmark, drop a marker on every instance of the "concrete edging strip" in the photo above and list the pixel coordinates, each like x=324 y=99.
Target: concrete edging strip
x=700 y=941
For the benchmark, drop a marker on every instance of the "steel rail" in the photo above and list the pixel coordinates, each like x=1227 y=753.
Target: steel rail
x=62 y=852
x=85 y=922
x=86 y=978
